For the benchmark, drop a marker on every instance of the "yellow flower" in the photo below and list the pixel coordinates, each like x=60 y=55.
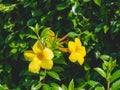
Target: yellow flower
x=77 y=51
x=40 y=57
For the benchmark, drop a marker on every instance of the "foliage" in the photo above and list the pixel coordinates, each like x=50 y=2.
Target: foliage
x=95 y=22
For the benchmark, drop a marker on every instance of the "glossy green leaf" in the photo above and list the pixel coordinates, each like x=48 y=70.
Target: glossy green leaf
x=92 y=83
x=36 y=87
x=64 y=87
x=115 y=85
x=58 y=69
x=14 y=50
x=105 y=28
x=44 y=32
x=55 y=86
x=115 y=76
x=96 y=85
x=46 y=87
x=99 y=27
x=53 y=75
x=42 y=75
x=72 y=34
x=71 y=85
x=86 y=0
x=59 y=60
x=3 y=87
x=97 y=2
x=101 y=72
x=62 y=6
x=104 y=57
x=58 y=53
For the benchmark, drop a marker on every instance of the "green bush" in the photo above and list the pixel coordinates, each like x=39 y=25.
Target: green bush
x=95 y=22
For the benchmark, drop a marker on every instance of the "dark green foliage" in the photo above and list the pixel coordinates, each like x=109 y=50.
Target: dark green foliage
x=95 y=22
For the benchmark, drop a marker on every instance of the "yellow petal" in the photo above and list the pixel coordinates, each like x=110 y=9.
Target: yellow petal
x=29 y=55
x=71 y=46
x=73 y=56
x=34 y=66
x=37 y=47
x=48 y=53
x=81 y=60
x=46 y=64
x=82 y=50
x=78 y=42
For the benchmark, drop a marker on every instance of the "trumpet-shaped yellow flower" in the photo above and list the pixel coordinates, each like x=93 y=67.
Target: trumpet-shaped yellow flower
x=40 y=57
x=77 y=51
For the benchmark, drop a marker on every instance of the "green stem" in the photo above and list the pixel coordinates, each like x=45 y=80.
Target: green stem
x=108 y=85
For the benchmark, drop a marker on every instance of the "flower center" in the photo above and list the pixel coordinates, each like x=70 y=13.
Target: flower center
x=40 y=56
x=77 y=49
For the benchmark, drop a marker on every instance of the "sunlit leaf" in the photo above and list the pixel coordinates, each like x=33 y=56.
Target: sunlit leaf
x=105 y=57
x=115 y=76
x=62 y=6
x=99 y=27
x=97 y=2
x=100 y=71
x=71 y=85
x=64 y=87
x=46 y=87
x=96 y=85
x=59 y=60
x=53 y=75
x=115 y=85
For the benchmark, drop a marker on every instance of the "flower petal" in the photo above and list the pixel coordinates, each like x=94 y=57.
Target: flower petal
x=37 y=47
x=34 y=66
x=78 y=42
x=82 y=50
x=48 y=53
x=81 y=60
x=29 y=55
x=71 y=46
x=46 y=64
x=73 y=56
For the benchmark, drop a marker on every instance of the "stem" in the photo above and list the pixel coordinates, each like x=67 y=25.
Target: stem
x=108 y=85
x=64 y=37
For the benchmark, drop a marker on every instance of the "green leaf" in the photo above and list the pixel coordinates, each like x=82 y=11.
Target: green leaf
x=71 y=85
x=53 y=75
x=36 y=29
x=115 y=85
x=46 y=87
x=58 y=53
x=99 y=27
x=86 y=0
x=14 y=50
x=62 y=6
x=104 y=57
x=92 y=83
x=101 y=72
x=99 y=87
x=64 y=87
x=3 y=87
x=59 y=60
x=58 y=69
x=115 y=75
x=97 y=2
x=42 y=75
x=55 y=86
x=106 y=28
x=36 y=87
x=44 y=32
x=96 y=85
x=72 y=34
